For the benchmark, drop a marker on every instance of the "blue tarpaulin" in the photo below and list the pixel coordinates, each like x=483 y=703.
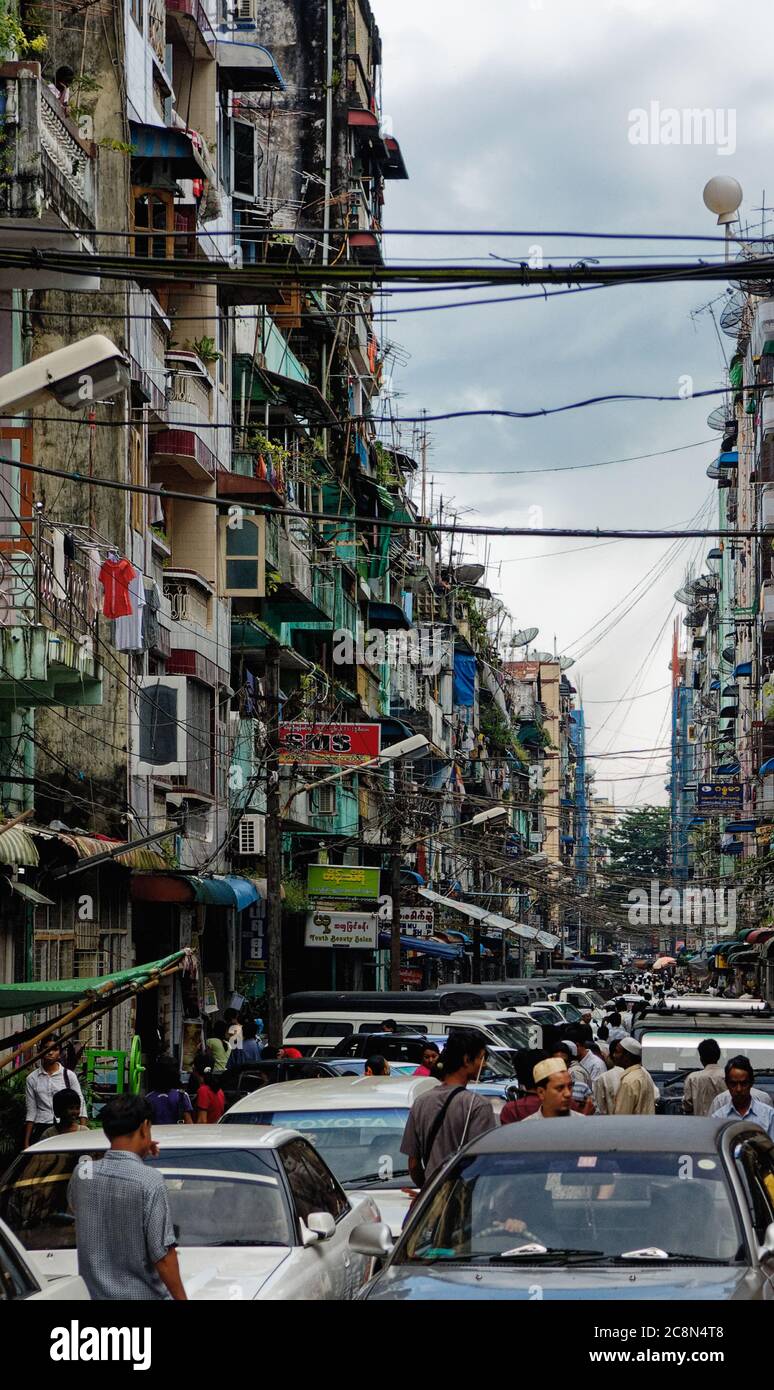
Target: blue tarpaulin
x=425 y=948
x=464 y=680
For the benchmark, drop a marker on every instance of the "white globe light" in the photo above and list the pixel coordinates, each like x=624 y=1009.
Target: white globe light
x=722 y=195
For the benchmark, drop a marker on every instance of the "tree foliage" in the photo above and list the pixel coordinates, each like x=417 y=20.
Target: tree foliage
x=638 y=844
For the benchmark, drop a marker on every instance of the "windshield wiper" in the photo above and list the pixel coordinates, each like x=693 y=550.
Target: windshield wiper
x=528 y=1253
x=373 y=1179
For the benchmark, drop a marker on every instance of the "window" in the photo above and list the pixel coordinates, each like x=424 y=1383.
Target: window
x=243 y=557
x=313 y=1029
x=153 y=212
x=244 y=160
x=136 y=11
x=199 y=737
x=311 y=1182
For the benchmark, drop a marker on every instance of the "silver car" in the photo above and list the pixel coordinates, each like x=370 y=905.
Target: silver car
x=593 y=1208
x=257 y=1212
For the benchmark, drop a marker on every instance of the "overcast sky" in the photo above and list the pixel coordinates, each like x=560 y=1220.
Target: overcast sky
x=517 y=114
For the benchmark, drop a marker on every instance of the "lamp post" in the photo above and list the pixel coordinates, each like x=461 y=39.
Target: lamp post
x=723 y=196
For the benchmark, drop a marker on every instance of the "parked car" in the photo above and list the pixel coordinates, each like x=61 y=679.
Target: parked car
x=399 y=1048
x=19 y=1281
x=355 y=1122
x=323 y=1033
x=610 y=1208
x=257 y=1212
x=251 y=1076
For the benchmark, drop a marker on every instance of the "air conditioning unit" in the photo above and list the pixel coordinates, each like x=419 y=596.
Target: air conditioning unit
x=160 y=726
x=252 y=835
x=244 y=11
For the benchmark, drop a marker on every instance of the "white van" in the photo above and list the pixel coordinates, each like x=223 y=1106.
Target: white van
x=678 y=1051
x=313 y=1032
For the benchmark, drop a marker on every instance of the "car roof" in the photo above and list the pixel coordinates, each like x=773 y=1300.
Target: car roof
x=336 y=1093
x=606 y=1133
x=179 y=1137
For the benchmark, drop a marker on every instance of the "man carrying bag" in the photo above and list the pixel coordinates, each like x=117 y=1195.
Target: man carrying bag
x=445 y=1117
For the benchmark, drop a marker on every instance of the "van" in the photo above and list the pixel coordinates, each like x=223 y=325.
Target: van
x=311 y=1032
x=443 y=1000
x=676 y=1051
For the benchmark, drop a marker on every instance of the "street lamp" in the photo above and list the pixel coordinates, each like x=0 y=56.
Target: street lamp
x=407 y=748
x=90 y=370
x=723 y=196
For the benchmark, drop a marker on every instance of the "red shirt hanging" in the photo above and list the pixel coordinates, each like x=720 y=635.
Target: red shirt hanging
x=115 y=578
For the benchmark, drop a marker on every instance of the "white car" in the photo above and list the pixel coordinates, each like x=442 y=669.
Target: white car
x=18 y=1280
x=355 y=1122
x=256 y=1211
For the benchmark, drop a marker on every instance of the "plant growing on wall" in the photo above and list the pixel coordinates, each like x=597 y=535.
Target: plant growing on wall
x=16 y=39
x=205 y=348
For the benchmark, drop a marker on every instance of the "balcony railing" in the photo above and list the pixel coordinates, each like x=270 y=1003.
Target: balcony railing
x=36 y=589
x=48 y=170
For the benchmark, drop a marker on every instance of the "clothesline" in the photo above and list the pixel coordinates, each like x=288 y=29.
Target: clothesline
x=129 y=598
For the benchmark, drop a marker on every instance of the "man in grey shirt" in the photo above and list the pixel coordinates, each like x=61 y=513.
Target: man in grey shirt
x=445 y=1117
x=123 y=1226
x=702 y=1087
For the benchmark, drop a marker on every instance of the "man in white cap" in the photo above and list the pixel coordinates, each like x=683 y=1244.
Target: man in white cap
x=636 y=1093
x=553 y=1084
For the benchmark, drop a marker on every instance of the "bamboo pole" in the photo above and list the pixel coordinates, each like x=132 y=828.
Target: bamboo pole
x=80 y=1009
x=15 y=820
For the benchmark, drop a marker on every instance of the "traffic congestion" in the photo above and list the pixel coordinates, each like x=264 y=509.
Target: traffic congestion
x=395 y=1150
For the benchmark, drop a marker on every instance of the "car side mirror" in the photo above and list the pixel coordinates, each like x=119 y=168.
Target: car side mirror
x=766 y=1251
x=319 y=1225
x=373 y=1238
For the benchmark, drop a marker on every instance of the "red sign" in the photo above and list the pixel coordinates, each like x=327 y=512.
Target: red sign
x=410 y=977
x=329 y=745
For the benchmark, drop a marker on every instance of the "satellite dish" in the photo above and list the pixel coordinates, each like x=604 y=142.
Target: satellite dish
x=544 y=656
x=719 y=418
x=713 y=471
x=729 y=655
x=763 y=250
x=565 y=662
x=524 y=637
x=731 y=316
x=683 y=595
x=468 y=574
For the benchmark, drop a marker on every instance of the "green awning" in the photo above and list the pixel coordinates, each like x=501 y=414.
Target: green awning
x=45 y=994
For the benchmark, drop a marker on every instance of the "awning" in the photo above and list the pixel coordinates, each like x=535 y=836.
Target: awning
x=220 y=890
x=30 y=895
x=301 y=398
x=18 y=999
x=177 y=146
x=424 y=946
x=413 y=875
x=89 y=846
x=744 y=668
x=480 y=914
x=247 y=67
x=18 y=847
x=387 y=616
x=395 y=168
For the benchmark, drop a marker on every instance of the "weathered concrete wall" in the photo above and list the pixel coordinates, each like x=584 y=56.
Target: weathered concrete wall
x=85 y=771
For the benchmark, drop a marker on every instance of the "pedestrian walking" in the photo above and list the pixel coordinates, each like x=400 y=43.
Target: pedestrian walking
x=582 y=1097
x=67 y=1110
x=430 y=1055
x=218 y=1046
x=210 y=1100
x=554 y=1091
x=377 y=1066
x=169 y=1103
x=528 y=1101
x=605 y=1088
x=41 y=1086
x=702 y=1087
x=123 y=1226
x=636 y=1093
x=445 y=1117
x=738 y=1102
x=250 y=1050
x=591 y=1063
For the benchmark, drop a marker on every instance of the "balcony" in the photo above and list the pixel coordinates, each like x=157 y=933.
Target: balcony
x=190 y=400
x=48 y=181
x=252 y=477
x=48 y=628
x=188 y=22
x=189 y=597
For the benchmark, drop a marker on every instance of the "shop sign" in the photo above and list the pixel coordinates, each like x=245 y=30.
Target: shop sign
x=352 y=930
x=329 y=745
x=342 y=881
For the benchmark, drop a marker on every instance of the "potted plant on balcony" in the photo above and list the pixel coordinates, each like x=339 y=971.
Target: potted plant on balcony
x=205 y=349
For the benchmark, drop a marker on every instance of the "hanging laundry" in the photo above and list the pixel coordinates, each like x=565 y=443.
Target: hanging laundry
x=59 y=561
x=93 y=567
x=69 y=546
x=151 y=627
x=115 y=577
x=156 y=517
x=128 y=633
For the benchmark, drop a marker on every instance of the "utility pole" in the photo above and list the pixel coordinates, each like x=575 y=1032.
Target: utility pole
x=395 y=868
x=476 y=970
x=274 y=991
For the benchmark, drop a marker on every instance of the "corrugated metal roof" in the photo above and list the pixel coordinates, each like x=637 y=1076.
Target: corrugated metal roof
x=18 y=847
x=88 y=847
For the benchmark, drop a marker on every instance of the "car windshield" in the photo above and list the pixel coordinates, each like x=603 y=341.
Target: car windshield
x=216 y=1197
x=569 y=1012
x=606 y=1206
x=507 y=1035
x=361 y=1146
